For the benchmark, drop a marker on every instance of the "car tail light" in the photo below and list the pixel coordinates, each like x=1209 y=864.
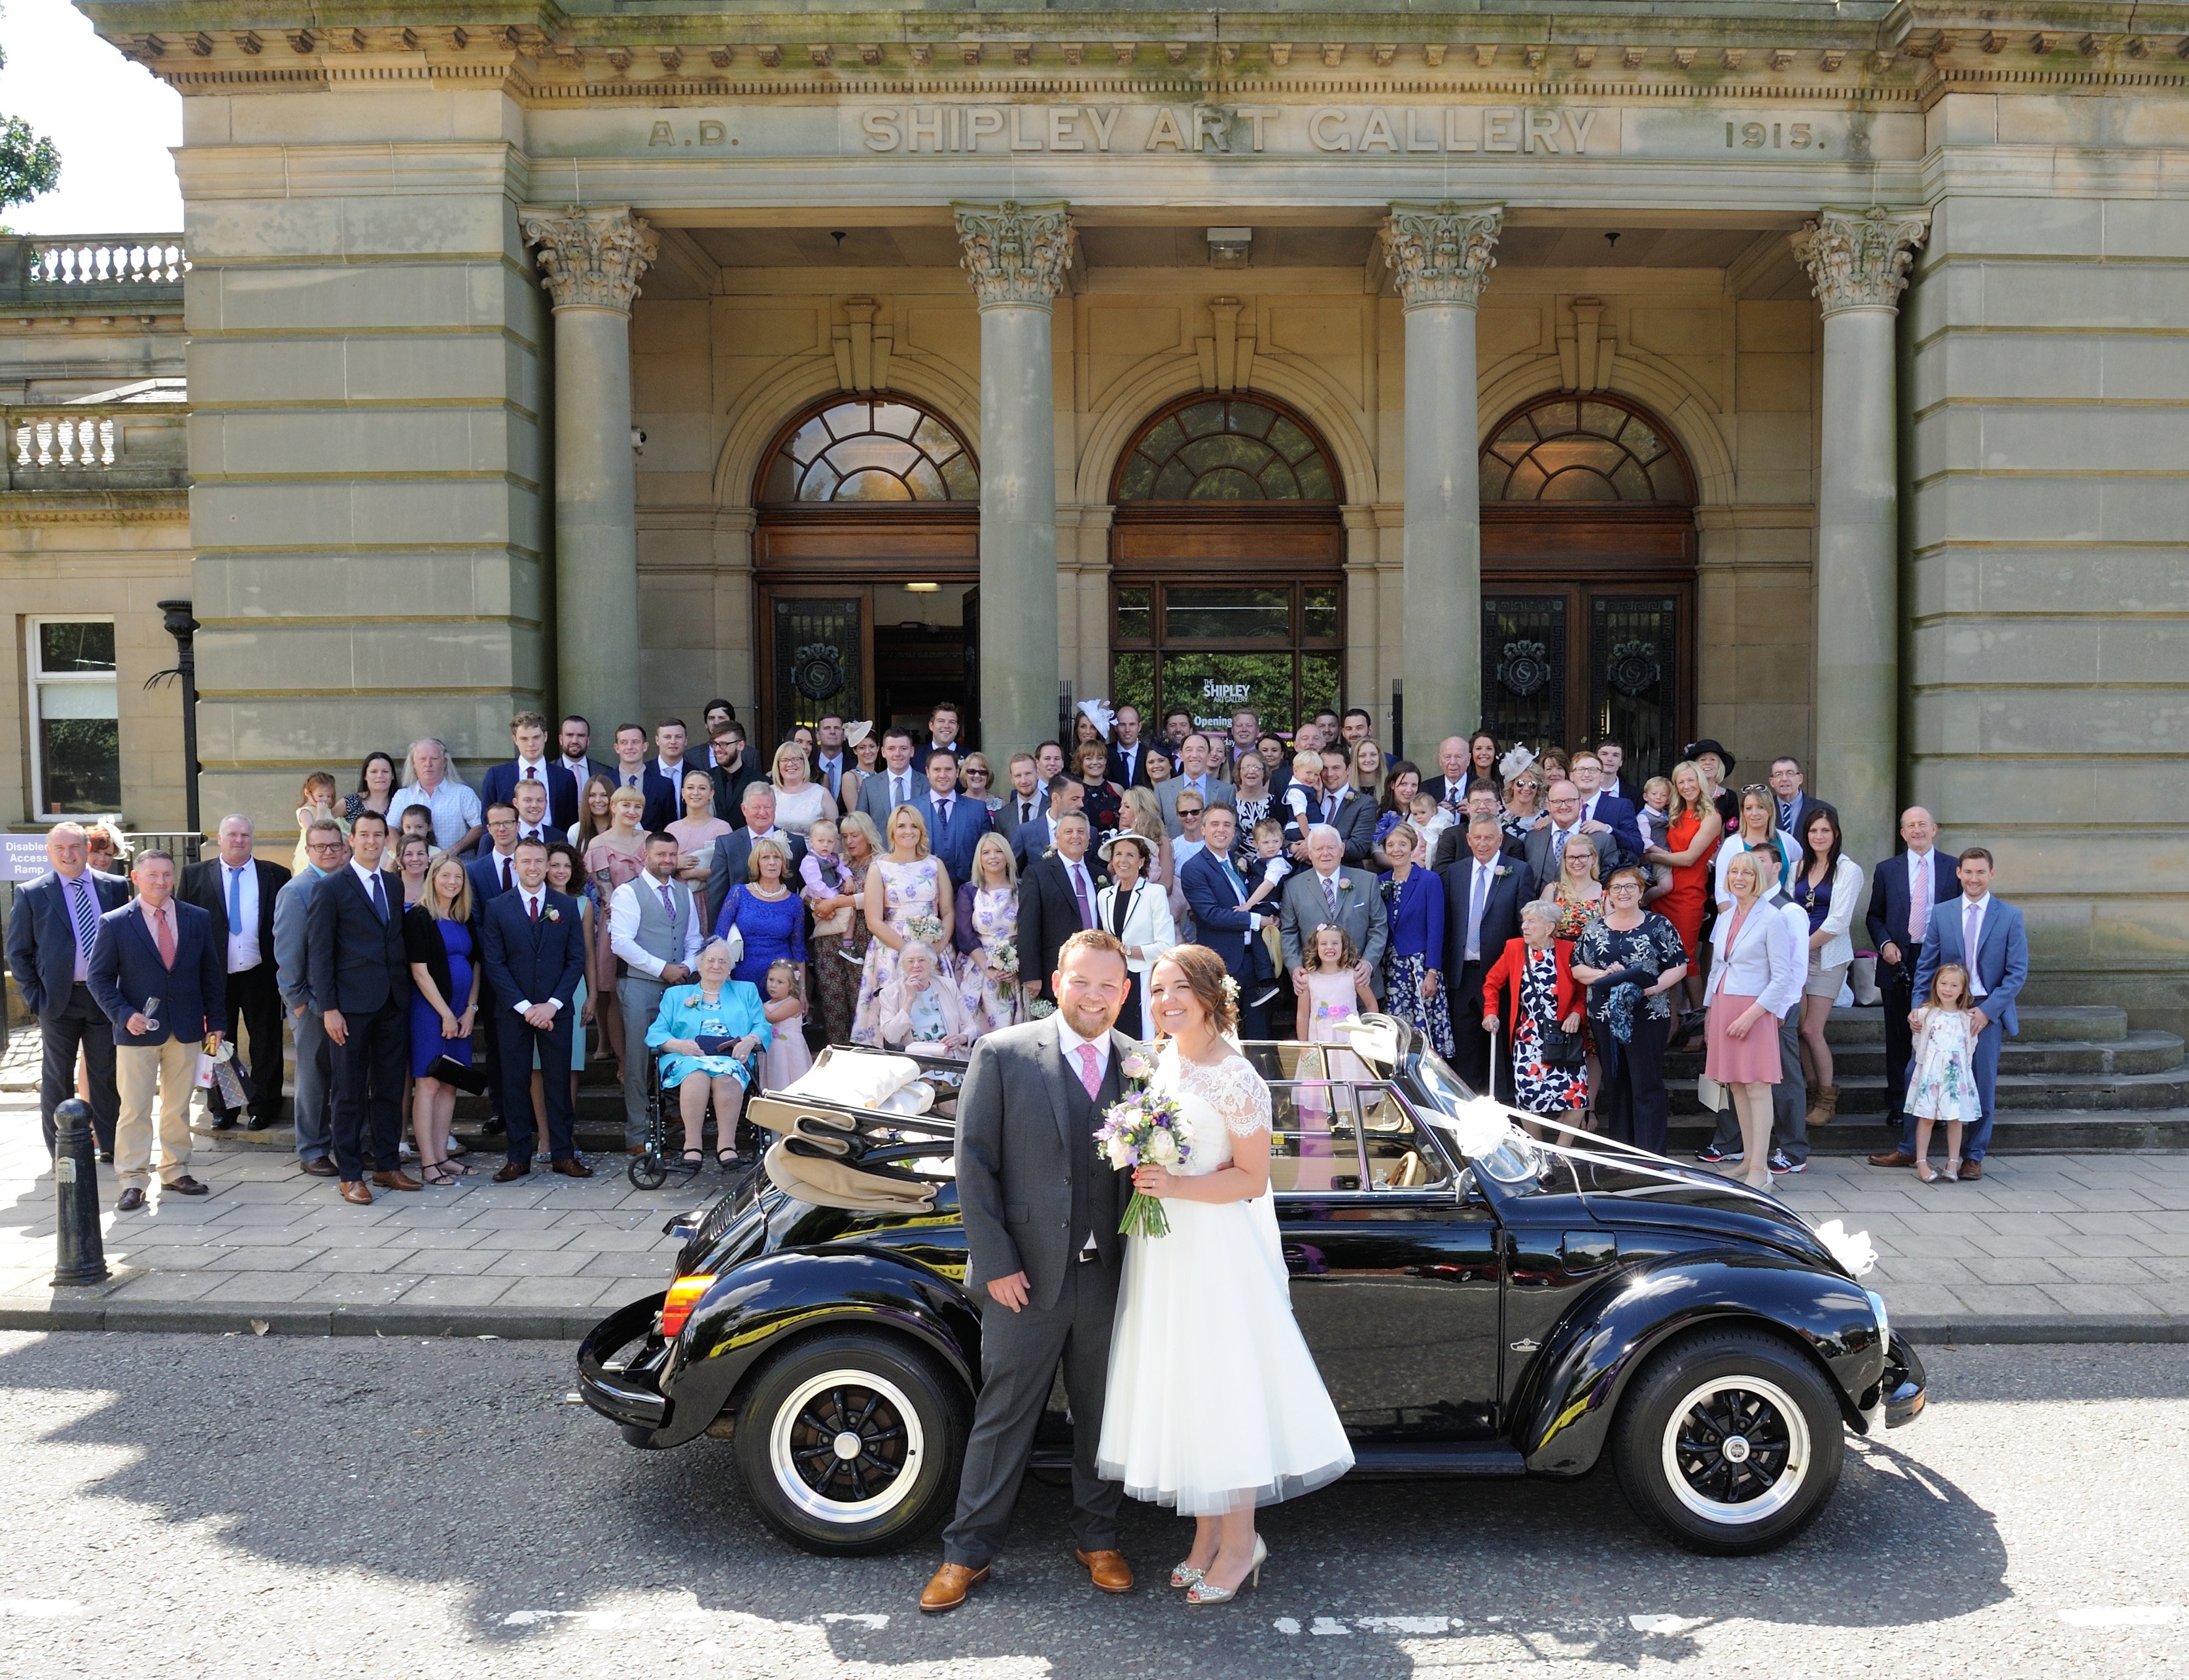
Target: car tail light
x=683 y=1295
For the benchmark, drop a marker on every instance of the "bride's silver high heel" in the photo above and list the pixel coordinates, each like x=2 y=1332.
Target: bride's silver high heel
x=1186 y=1576
x=1200 y=1593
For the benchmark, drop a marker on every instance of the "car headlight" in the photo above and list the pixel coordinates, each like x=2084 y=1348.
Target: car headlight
x=1884 y=1319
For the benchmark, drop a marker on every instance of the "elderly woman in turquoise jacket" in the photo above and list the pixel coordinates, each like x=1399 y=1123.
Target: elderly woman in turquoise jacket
x=716 y=1007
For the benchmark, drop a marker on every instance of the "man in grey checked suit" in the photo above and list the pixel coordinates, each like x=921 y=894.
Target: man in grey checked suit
x=1327 y=890
x=326 y=852
x=1040 y=1207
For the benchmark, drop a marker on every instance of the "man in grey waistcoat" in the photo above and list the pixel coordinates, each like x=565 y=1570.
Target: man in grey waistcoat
x=1040 y=1205
x=654 y=930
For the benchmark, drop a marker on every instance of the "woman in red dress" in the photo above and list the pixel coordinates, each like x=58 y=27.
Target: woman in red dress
x=1690 y=841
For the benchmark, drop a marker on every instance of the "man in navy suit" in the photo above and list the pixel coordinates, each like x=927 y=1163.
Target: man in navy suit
x=528 y=732
x=1988 y=941
x=493 y=872
x=954 y=822
x=1615 y=814
x=1128 y=754
x=1791 y=808
x=535 y=956
x=50 y=935
x=1985 y=935
x=1905 y=893
x=361 y=981
x=663 y=782
x=1216 y=895
x=157 y=948
x=945 y=727
x=1482 y=897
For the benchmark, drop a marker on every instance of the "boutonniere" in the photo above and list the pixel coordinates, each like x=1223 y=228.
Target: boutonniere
x=1501 y=873
x=1136 y=1068
x=1345 y=885
x=553 y=915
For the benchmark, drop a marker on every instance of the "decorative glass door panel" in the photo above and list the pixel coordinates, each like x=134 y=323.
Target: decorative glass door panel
x=1633 y=666
x=1210 y=649
x=819 y=657
x=1524 y=662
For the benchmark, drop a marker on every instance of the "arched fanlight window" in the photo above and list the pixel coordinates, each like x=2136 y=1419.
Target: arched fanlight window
x=868 y=450
x=1225 y=450
x=1583 y=449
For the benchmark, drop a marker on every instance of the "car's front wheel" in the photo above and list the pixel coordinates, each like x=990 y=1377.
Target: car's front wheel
x=850 y=1444
x=1728 y=1442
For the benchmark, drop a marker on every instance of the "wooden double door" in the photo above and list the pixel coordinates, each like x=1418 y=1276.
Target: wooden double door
x=1588 y=629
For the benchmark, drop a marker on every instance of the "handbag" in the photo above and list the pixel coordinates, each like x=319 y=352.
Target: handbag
x=1558 y=1048
x=462 y=1075
x=731 y=936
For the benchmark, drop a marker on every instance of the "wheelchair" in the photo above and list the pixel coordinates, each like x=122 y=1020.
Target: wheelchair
x=663 y=1152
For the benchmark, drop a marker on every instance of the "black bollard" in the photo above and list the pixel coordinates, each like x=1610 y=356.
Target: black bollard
x=79 y=1255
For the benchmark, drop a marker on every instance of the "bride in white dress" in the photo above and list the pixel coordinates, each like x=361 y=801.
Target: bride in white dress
x=1214 y=1404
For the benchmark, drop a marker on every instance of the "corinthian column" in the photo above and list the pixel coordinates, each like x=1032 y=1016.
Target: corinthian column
x=1442 y=255
x=1017 y=255
x=1858 y=261
x=590 y=259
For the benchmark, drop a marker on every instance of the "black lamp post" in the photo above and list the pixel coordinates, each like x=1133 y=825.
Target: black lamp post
x=183 y=628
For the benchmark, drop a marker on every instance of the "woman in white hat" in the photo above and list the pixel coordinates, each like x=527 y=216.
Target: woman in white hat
x=866 y=757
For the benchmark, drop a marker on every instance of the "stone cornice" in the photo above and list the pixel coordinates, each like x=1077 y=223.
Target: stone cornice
x=93 y=507
x=1856 y=50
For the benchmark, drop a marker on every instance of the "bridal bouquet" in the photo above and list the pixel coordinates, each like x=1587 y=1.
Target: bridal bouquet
x=924 y=930
x=1143 y=1128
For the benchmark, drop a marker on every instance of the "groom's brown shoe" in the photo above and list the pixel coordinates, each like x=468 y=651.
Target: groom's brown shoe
x=952 y=1582
x=1108 y=1570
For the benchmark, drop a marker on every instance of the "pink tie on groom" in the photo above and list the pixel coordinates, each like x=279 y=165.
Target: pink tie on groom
x=1090 y=1068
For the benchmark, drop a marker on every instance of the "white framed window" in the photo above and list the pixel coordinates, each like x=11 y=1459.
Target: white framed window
x=75 y=734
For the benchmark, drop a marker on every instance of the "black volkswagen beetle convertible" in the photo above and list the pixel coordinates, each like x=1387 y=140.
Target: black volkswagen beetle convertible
x=1480 y=1304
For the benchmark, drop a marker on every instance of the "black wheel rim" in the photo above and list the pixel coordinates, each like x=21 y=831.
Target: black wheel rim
x=846 y=1446
x=1736 y=1450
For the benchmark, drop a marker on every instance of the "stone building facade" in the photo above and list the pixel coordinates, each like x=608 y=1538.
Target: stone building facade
x=1813 y=377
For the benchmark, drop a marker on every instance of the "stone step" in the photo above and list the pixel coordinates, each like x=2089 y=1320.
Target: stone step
x=2081 y=1023
x=2059 y=1130
x=2136 y=1053
x=2019 y=1093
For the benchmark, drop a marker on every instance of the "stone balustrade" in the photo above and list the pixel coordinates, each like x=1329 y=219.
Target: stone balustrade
x=88 y=273
x=110 y=446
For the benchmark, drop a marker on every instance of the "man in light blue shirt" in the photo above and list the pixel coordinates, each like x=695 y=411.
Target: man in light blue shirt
x=454 y=808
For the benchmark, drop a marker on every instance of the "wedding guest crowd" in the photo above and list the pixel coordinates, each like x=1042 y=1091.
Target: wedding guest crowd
x=1548 y=925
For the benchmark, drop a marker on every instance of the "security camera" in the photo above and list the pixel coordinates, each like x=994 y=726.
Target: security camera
x=637 y=441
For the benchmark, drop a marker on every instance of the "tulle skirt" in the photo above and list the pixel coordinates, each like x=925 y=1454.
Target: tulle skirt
x=1214 y=1403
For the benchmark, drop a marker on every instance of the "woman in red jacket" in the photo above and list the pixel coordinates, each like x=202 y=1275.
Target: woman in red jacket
x=1533 y=980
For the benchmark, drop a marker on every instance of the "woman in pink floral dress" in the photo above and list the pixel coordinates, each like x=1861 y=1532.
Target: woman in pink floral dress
x=904 y=887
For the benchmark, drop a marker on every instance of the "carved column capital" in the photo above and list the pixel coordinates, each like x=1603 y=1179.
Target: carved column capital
x=1015 y=253
x=591 y=257
x=1442 y=252
x=1858 y=259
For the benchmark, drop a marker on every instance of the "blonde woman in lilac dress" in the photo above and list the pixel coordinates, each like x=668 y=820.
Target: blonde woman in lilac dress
x=905 y=886
x=987 y=921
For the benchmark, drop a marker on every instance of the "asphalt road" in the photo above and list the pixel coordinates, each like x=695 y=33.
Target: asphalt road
x=239 y=1508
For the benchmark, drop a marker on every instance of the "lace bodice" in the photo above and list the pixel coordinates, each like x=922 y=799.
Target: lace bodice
x=1220 y=1102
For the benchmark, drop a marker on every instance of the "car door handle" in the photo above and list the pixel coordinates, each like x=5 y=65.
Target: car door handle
x=1586 y=1250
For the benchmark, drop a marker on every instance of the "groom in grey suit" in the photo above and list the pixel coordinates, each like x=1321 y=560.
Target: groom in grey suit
x=1040 y=1205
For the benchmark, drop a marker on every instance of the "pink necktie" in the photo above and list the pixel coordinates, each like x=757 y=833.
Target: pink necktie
x=1090 y=1071
x=164 y=936
x=1919 y=912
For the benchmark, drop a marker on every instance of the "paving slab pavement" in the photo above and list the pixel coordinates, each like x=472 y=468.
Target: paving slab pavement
x=2043 y=1248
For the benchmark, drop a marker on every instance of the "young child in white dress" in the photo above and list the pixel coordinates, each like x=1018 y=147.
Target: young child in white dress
x=1942 y=1084
x=786 y=1057
x=1331 y=999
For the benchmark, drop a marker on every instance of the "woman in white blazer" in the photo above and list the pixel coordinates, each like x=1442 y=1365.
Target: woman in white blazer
x=1758 y=820
x=1757 y=965
x=1827 y=885
x=1138 y=911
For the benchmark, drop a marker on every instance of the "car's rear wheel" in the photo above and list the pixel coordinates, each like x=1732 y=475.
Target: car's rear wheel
x=1728 y=1442
x=850 y=1444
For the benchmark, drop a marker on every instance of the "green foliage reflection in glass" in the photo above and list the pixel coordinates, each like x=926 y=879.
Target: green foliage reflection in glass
x=880 y=452
x=1569 y=450
x=1225 y=450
